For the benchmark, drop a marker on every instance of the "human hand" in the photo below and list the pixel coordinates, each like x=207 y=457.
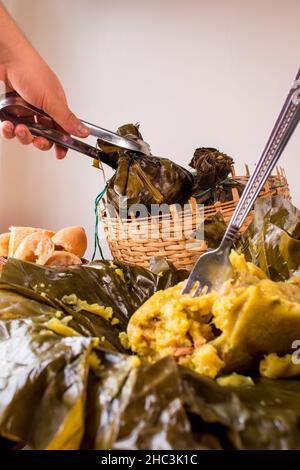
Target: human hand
x=23 y=70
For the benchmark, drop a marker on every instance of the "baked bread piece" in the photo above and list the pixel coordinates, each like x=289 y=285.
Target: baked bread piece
x=36 y=247
x=62 y=258
x=71 y=239
x=17 y=235
x=4 y=242
x=2 y=262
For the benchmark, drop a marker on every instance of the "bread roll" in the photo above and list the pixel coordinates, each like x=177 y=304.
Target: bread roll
x=4 y=242
x=36 y=247
x=17 y=234
x=62 y=258
x=72 y=239
x=2 y=262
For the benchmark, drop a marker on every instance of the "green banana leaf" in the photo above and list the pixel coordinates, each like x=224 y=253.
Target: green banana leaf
x=272 y=241
x=214 y=229
x=50 y=397
x=119 y=286
x=69 y=392
x=258 y=417
x=53 y=395
x=42 y=382
x=139 y=407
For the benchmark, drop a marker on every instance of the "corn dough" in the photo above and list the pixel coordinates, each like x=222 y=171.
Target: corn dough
x=229 y=331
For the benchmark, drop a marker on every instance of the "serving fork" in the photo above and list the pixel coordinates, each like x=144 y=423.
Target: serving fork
x=213 y=268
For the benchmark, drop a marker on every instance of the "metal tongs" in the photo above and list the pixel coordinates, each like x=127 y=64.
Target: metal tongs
x=14 y=109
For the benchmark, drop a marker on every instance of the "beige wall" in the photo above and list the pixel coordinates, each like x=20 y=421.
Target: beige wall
x=193 y=73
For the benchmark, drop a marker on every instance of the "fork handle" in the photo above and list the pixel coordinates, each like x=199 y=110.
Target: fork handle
x=280 y=135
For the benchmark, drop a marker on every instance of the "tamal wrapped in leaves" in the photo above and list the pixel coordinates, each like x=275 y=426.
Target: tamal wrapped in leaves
x=212 y=182
x=141 y=179
x=211 y=166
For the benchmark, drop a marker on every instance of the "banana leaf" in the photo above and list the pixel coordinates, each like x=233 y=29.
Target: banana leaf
x=67 y=392
x=119 y=286
x=219 y=192
x=214 y=229
x=42 y=381
x=139 y=408
x=264 y=416
x=141 y=179
x=52 y=395
x=272 y=240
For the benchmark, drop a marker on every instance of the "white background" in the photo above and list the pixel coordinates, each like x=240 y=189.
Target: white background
x=193 y=73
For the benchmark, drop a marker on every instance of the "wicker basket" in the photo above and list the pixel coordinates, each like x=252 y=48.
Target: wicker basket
x=129 y=239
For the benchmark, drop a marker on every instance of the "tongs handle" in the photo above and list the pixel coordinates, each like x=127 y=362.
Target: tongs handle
x=37 y=129
x=53 y=135
x=280 y=135
x=12 y=101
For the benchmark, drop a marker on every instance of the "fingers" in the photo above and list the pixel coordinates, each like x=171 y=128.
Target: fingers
x=23 y=134
x=60 y=152
x=68 y=121
x=56 y=106
x=7 y=130
x=42 y=144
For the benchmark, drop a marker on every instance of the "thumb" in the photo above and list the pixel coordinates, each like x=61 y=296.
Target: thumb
x=59 y=111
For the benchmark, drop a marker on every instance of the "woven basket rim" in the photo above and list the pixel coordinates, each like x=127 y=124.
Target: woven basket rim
x=192 y=203
x=137 y=247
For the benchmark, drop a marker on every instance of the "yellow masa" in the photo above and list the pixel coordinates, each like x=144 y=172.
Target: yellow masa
x=251 y=316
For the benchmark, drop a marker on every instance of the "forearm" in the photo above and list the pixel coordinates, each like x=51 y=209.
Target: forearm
x=12 y=41
x=23 y=70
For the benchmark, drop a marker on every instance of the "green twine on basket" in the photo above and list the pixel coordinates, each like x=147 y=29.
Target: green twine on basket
x=96 y=239
x=205 y=191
